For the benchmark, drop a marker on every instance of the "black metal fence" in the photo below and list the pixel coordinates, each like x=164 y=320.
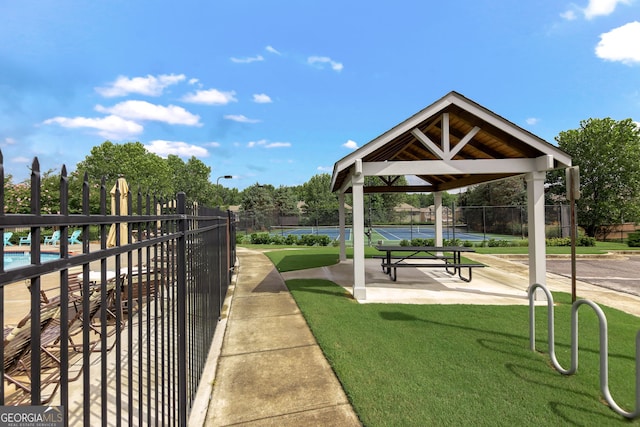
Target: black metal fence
x=116 y=330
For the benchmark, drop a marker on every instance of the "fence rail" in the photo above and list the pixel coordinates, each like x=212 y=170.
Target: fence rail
x=117 y=330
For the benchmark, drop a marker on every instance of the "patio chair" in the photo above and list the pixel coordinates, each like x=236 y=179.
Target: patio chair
x=17 y=359
x=73 y=240
x=143 y=288
x=25 y=240
x=54 y=239
x=7 y=238
x=94 y=309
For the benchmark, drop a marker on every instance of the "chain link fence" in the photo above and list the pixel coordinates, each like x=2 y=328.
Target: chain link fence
x=483 y=220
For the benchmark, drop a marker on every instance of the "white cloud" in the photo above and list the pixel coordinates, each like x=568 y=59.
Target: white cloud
x=240 y=118
x=351 y=145
x=110 y=127
x=21 y=160
x=325 y=168
x=9 y=141
x=278 y=145
x=532 y=121
x=601 y=7
x=143 y=110
x=272 y=50
x=193 y=81
x=320 y=61
x=149 y=85
x=213 y=144
x=248 y=60
x=164 y=148
x=265 y=144
x=569 y=15
x=210 y=97
x=621 y=44
x=261 y=98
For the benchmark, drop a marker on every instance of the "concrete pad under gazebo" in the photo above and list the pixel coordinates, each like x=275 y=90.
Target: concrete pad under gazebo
x=451 y=144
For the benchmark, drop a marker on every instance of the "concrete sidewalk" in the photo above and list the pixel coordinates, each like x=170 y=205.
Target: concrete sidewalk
x=270 y=370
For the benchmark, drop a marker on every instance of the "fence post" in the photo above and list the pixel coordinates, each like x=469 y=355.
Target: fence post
x=182 y=309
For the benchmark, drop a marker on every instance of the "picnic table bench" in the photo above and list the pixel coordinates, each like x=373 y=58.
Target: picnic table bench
x=449 y=257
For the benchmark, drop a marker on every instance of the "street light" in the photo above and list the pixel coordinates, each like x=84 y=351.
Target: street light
x=217 y=183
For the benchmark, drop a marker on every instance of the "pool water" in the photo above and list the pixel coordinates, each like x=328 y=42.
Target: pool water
x=20 y=259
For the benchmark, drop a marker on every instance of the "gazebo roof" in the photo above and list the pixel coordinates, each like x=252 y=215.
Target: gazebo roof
x=452 y=143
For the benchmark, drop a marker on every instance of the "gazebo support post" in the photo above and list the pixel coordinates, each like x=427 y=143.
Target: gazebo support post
x=536 y=229
x=357 y=183
x=437 y=204
x=341 y=222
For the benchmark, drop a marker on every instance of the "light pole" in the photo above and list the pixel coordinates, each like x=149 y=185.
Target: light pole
x=217 y=184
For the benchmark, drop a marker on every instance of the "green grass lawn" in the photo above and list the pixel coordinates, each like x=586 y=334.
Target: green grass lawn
x=417 y=365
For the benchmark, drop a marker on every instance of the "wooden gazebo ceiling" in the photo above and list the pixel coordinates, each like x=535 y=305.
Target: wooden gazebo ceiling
x=481 y=139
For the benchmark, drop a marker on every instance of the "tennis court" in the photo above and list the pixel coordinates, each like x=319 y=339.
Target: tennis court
x=392 y=234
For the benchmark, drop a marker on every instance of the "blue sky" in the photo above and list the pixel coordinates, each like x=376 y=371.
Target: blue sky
x=276 y=92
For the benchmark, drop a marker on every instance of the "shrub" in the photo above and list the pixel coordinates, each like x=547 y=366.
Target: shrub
x=260 y=238
x=452 y=242
x=634 y=239
x=586 y=241
x=314 y=240
x=277 y=239
x=405 y=242
x=291 y=239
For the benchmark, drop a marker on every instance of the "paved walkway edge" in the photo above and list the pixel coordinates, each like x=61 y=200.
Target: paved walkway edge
x=198 y=414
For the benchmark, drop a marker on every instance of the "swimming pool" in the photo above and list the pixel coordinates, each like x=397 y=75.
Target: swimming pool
x=20 y=259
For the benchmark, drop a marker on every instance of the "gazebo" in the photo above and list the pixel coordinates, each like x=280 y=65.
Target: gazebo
x=451 y=144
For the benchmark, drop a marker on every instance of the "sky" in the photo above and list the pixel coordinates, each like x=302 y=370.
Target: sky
x=274 y=92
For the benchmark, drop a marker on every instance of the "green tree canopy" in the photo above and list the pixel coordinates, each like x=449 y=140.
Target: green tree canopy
x=192 y=178
x=257 y=202
x=142 y=169
x=506 y=192
x=608 y=154
x=320 y=204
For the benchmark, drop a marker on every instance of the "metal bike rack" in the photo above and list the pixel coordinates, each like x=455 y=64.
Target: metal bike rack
x=604 y=346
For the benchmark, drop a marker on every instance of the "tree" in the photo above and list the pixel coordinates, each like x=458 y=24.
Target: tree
x=506 y=192
x=608 y=154
x=284 y=201
x=143 y=170
x=320 y=204
x=257 y=203
x=192 y=178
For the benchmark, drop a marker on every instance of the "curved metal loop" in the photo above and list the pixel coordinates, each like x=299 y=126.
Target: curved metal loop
x=604 y=346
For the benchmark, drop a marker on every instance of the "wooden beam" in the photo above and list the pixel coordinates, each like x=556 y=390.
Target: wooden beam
x=452 y=167
x=446 y=148
x=430 y=145
x=463 y=142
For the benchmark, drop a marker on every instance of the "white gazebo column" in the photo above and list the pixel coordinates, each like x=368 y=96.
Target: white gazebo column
x=437 y=204
x=535 y=210
x=357 y=184
x=341 y=222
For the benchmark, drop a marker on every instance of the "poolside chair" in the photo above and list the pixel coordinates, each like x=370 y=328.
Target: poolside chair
x=25 y=240
x=17 y=359
x=7 y=238
x=144 y=286
x=54 y=239
x=73 y=240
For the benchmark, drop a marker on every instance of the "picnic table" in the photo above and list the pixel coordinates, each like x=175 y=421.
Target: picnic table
x=447 y=257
